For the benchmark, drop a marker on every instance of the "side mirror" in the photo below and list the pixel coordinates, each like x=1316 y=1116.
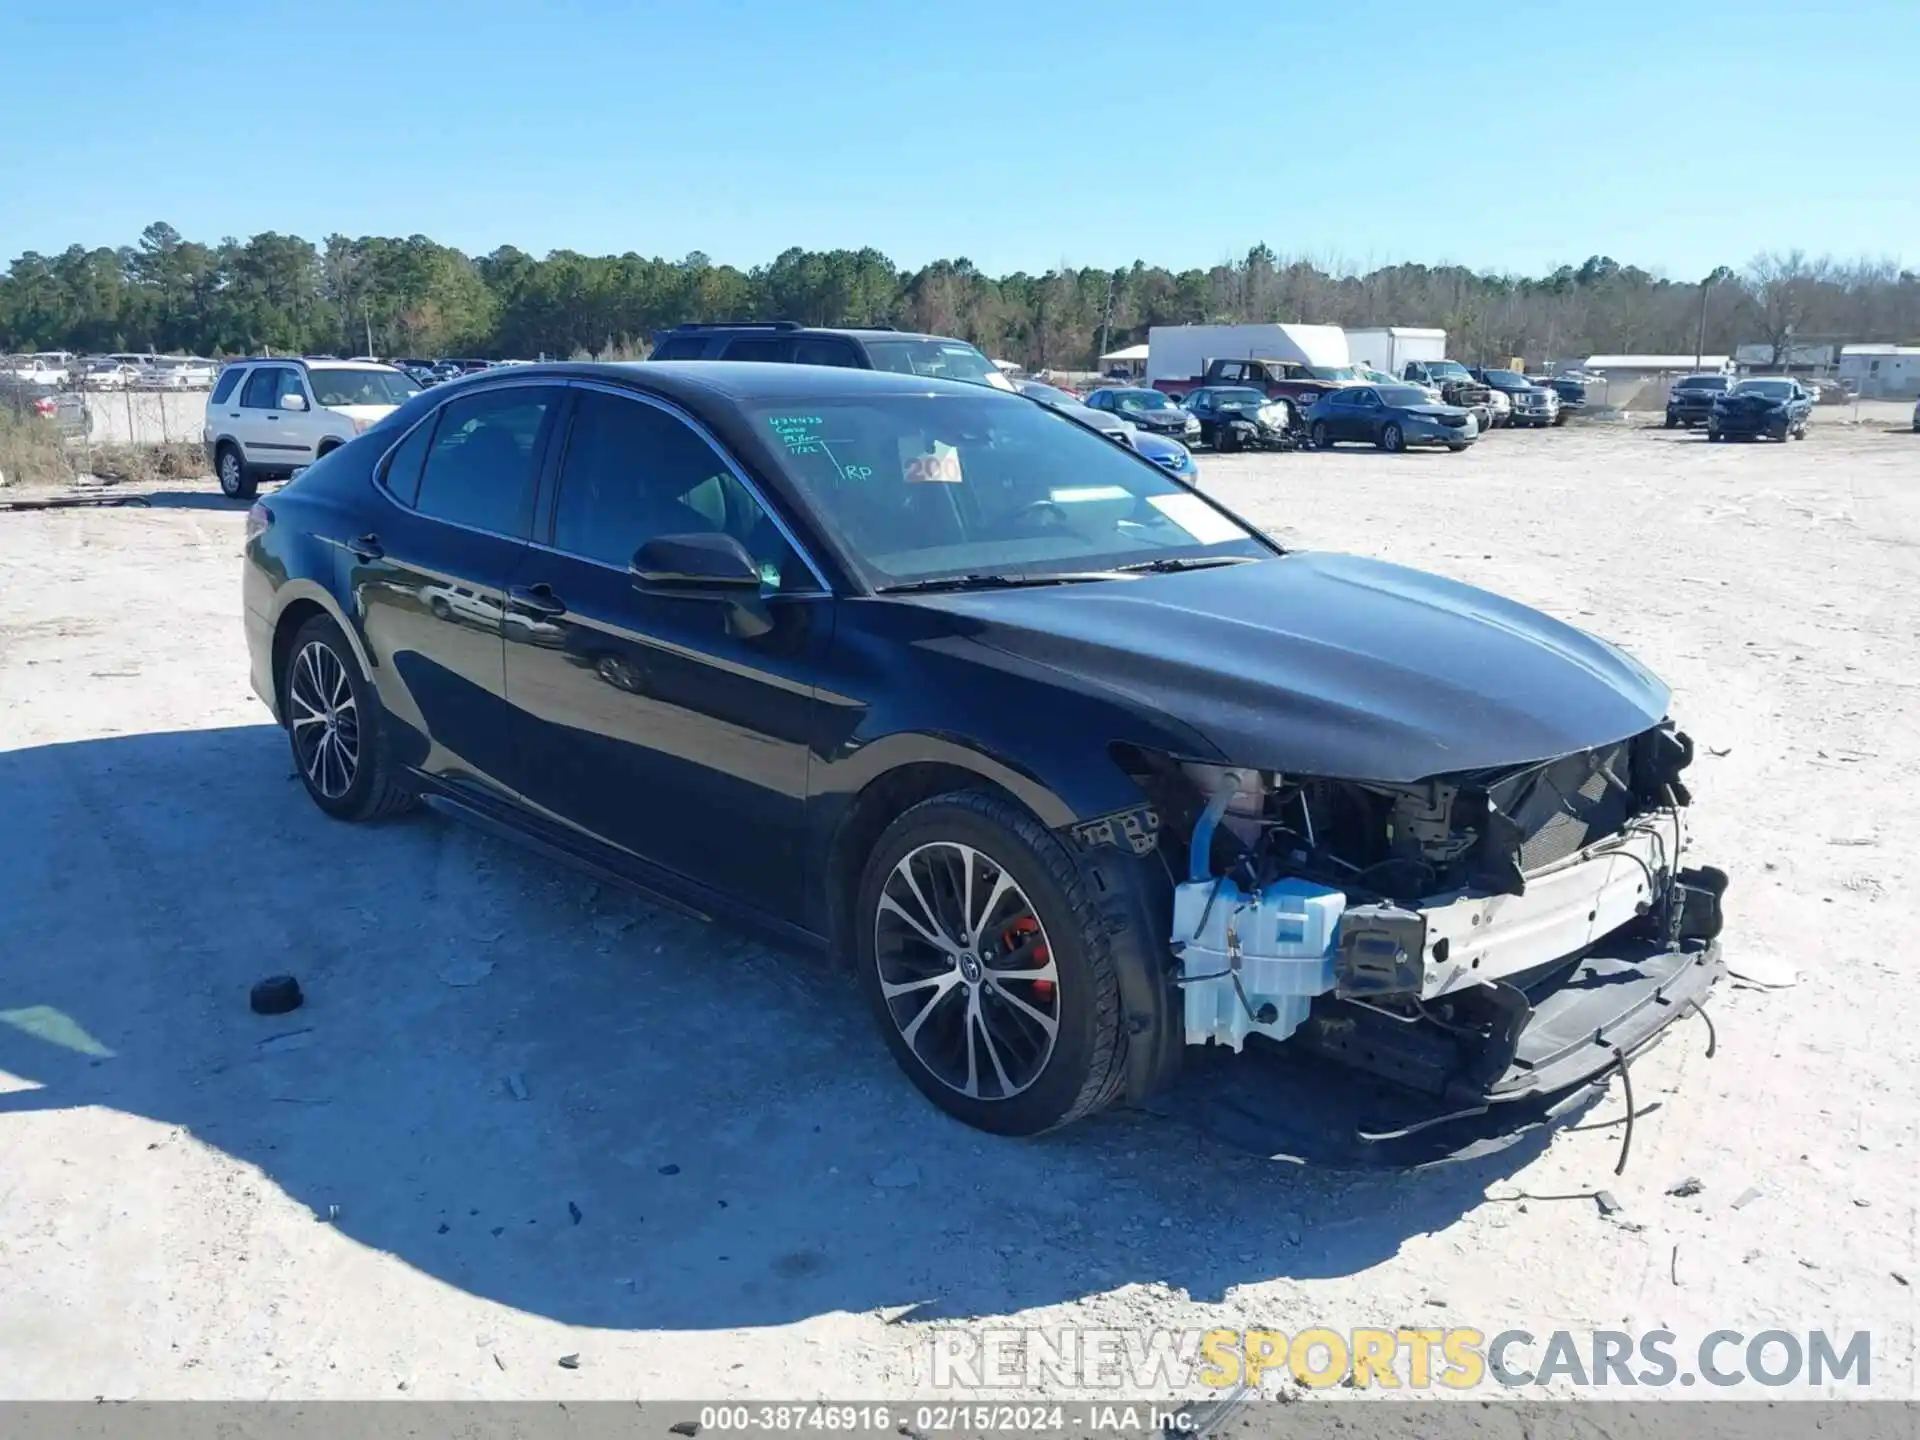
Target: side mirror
x=710 y=565
x=293 y=402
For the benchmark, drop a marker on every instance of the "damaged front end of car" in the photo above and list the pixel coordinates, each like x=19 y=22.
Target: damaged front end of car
x=1464 y=957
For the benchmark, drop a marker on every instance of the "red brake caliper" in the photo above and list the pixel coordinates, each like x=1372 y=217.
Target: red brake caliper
x=1016 y=936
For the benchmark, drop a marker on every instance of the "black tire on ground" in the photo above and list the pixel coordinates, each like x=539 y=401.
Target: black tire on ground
x=372 y=789
x=1456 y=449
x=1800 y=431
x=1392 y=438
x=1672 y=423
x=1085 y=1071
x=1318 y=436
x=1560 y=418
x=236 y=481
x=1224 y=439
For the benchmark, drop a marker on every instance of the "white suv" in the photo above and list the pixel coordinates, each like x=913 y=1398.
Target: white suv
x=272 y=418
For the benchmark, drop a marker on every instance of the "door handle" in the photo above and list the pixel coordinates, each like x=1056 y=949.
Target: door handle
x=537 y=599
x=366 y=547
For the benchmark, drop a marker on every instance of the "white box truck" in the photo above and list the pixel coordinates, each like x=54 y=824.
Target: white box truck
x=1388 y=348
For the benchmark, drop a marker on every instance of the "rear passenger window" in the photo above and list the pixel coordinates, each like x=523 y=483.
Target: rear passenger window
x=224 y=388
x=402 y=475
x=813 y=350
x=758 y=349
x=263 y=388
x=479 y=469
x=685 y=347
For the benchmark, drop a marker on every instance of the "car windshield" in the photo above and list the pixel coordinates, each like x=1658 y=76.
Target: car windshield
x=1337 y=374
x=1448 y=370
x=1701 y=382
x=1772 y=389
x=1507 y=379
x=946 y=359
x=335 y=388
x=1141 y=400
x=1237 y=396
x=1404 y=395
x=930 y=487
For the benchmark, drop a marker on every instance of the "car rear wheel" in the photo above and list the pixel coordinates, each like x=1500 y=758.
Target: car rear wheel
x=1318 y=435
x=1392 y=439
x=988 y=967
x=333 y=721
x=235 y=481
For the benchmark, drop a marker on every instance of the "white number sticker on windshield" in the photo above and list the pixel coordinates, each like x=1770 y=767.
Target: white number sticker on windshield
x=940 y=465
x=1199 y=519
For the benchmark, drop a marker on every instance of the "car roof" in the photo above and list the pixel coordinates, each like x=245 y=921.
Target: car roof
x=742 y=380
x=306 y=360
x=772 y=328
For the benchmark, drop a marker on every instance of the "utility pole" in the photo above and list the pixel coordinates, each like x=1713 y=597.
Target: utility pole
x=1700 y=345
x=1106 y=324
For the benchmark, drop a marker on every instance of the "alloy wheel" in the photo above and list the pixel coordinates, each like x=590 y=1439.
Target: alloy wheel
x=324 y=720
x=229 y=472
x=967 y=973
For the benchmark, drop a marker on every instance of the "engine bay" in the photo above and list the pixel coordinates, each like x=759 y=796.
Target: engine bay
x=1431 y=914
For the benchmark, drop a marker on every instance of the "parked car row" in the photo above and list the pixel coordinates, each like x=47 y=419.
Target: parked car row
x=63 y=370
x=1775 y=407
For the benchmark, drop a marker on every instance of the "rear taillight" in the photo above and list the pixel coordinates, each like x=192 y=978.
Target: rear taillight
x=43 y=406
x=259 y=520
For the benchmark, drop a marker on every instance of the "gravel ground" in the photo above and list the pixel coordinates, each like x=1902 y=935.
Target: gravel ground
x=522 y=1117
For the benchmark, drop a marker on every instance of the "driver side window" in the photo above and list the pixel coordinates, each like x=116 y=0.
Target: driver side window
x=633 y=472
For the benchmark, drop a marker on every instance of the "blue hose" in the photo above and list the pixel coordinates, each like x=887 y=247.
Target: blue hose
x=1200 y=858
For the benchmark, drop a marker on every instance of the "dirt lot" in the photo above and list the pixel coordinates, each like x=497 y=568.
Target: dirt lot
x=523 y=1118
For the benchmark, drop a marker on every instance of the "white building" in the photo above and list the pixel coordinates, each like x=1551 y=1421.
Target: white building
x=1890 y=371
x=1649 y=367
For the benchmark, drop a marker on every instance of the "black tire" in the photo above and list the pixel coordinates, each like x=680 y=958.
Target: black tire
x=1392 y=438
x=1224 y=440
x=1559 y=419
x=1318 y=437
x=1672 y=424
x=1084 y=1071
x=1800 y=431
x=237 y=482
x=372 y=790
x=1456 y=449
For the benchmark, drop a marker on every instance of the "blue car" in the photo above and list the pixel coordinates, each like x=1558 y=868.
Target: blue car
x=1171 y=455
x=1769 y=406
x=1392 y=417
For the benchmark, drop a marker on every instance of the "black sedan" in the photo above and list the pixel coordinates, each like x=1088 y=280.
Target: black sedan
x=1769 y=406
x=1239 y=417
x=1392 y=417
x=924 y=675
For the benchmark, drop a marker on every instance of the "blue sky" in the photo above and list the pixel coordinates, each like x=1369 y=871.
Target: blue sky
x=1508 y=136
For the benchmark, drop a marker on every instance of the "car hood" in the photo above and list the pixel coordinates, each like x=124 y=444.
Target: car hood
x=1332 y=665
x=1435 y=411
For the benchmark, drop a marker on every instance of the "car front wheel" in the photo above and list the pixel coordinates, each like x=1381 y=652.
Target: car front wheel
x=988 y=968
x=1318 y=435
x=1391 y=438
x=333 y=721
